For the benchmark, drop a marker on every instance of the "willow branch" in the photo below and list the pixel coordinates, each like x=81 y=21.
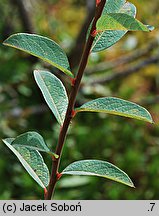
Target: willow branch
x=72 y=99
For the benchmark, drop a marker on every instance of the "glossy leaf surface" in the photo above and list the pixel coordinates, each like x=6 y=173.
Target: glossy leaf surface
x=120 y=21
x=32 y=140
x=32 y=161
x=54 y=93
x=98 y=168
x=41 y=47
x=106 y=39
x=116 y=106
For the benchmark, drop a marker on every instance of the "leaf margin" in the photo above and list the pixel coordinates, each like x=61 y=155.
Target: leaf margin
x=79 y=172
x=83 y=108
x=61 y=68
x=25 y=163
x=37 y=75
x=114 y=16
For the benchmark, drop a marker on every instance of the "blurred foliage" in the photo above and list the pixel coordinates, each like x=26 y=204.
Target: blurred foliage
x=131 y=145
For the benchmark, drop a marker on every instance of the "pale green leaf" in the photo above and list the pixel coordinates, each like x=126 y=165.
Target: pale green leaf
x=98 y=168
x=41 y=47
x=32 y=140
x=32 y=161
x=106 y=39
x=120 y=21
x=116 y=106
x=54 y=93
x=113 y=6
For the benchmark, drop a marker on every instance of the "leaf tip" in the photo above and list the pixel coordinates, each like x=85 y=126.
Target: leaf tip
x=150 y=119
x=132 y=184
x=36 y=71
x=6 y=41
x=129 y=182
x=150 y=28
x=5 y=140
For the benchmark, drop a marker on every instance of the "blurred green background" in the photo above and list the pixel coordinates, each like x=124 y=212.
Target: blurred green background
x=128 y=70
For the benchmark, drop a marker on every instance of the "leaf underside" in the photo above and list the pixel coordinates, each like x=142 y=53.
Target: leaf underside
x=32 y=140
x=120 y=21
x=116 y=106
x=98 y=168
x=54 y=93
x=41 y=47
x=32 y=161
x=106 y=39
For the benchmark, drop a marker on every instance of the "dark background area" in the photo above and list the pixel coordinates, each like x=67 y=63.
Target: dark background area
x=128 y=70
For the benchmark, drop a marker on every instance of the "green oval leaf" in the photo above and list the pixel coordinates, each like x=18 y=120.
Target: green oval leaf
x=98 y=168
x=54 y=93
x=106 y=39
x=120 y=21
x=117 y=106
x=32 y=140
x=41 y=47
x=32 y=161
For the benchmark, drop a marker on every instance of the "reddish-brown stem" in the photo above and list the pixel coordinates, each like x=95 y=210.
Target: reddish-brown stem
x=72 y=99
x=45 y=193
